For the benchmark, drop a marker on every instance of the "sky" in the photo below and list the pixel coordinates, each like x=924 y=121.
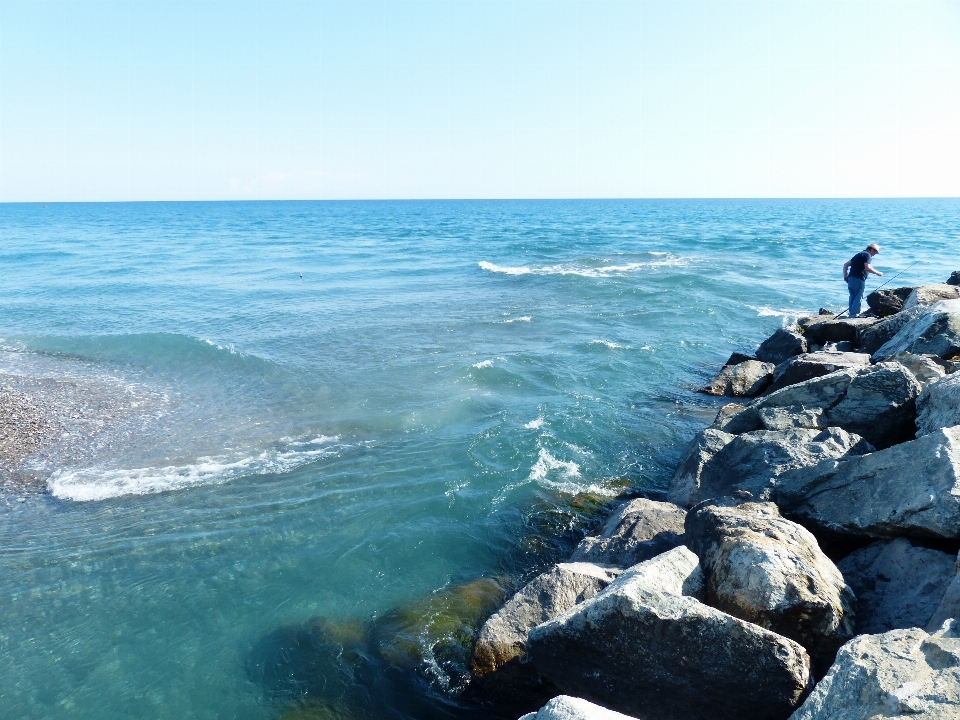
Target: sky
x=353 y=99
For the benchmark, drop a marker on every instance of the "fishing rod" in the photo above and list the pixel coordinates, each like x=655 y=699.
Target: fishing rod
x=881 y=286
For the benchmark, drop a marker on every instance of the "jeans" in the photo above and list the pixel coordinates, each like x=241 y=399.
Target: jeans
x=855 y=286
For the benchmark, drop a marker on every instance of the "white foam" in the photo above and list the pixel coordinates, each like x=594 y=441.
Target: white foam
x=546 y=463
x=101 y=483
x=483 y=364
x=611 y=345
x=586 y=271
x=524 y=318
x=484 y=265
x=788 y=315
x=535 y=424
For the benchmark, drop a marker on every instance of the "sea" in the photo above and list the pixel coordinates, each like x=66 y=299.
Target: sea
x=286 y=429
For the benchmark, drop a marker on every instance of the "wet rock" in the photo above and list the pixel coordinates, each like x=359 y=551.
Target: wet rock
x=954 y=278
x=565 y=707
x=908 y=490
x=765 y=569
x=684 y=487
x=638 y=530
x=751 y=462
x=938 y=406
x=935 y=331
x=888 y=302
x=877 y=402
x=812 y=365
x=897 y=584
x=647 y=647
x=746 y=379
x=930 y=294
x=503 y=637
x=895 y=674
x=845 y=329
x=923 y=368
x=781 y=345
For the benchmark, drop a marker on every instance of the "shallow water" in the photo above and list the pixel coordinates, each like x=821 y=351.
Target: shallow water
x=244 y=448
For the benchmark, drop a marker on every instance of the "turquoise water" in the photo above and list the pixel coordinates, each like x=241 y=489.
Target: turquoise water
x=244 y=448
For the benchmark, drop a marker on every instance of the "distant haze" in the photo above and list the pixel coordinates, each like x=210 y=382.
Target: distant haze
x=139 y=100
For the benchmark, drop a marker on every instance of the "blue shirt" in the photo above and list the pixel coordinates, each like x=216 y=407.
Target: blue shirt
x=858 y=265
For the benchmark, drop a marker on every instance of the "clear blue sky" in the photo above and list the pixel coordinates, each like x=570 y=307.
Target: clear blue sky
x=131 y=100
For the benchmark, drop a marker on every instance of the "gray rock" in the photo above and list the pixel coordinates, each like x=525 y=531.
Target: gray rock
x=877 y=402
x=503 y=636
x=930 y=294
x=746 y=379
x=828 y=330
x=781 y=418
x=888 y=302
x=781 y=345
x=939 y=405
x=898 y=585
x=647 y=647
x=565 y=707
x=954 y=278
x=908 y=490
x=725 y=414
x=765 y=569
x=923 y=368
x=684 y=489
x=949 y=604
x=872 y=338
x=896 y=674
x=751 y=462
x=813 y=365
x=934 y=331
x=638 y=530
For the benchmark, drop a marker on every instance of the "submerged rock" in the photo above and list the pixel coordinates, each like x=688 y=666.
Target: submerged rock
x=762 y=568
x=781 y=345
x=899 y=673
x=816 y=364
x=938 y=406
x=684 y=487
x=746 y=379
x=638 y=530
x=565 y=707
x=503 y=637
x=752 y=461
x=897 y=584
x=647 y=646
x=934 y=331
x=908 y=490
x=888 y=302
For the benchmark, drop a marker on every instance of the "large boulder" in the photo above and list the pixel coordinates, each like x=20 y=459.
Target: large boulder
x=873 y=337
x=765 y=569
x=636 y=531
x=752 y=461
x=503 y=637
x=954 y=278
x=877 y=402
x=938 y=406
x=930 y=294
x=950 y=603
x=647 y=646
x=817 y=364
x=820 y=331
x=934 y=331
x=781 y=345
x=565 y=707
x=746 y=379
x=908 y=490
x=888 y=302
x=684 y=487
x=897 y=584
x=924 y=368
x=897 y=674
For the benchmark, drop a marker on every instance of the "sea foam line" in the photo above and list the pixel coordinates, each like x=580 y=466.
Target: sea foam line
x=589 y=272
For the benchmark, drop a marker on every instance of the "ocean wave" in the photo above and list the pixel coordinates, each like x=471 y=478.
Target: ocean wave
x=483 y=364
x=787 y=315
x=523 y=318
x=546 y=463
x=608 y=343
x=535 y=424
x=101 y=483
x=586 y=270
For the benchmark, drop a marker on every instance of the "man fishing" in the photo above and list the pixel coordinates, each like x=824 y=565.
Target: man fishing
x=855 y=271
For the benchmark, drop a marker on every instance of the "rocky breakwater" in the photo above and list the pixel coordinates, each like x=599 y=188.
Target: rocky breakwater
x=815 y=573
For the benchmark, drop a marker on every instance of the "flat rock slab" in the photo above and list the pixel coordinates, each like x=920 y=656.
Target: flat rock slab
x=751 y=462
x=781 y=345
x=901 y=673
x=930 y=294
x=938 y=406
x=767 y=570
x=565 y=707
x=934 y=331
x=746 y=379
x=908 y=490
x=503 y=636
x=646 y=646
x=898 y=585
x=816 y=364
x=636 y=531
